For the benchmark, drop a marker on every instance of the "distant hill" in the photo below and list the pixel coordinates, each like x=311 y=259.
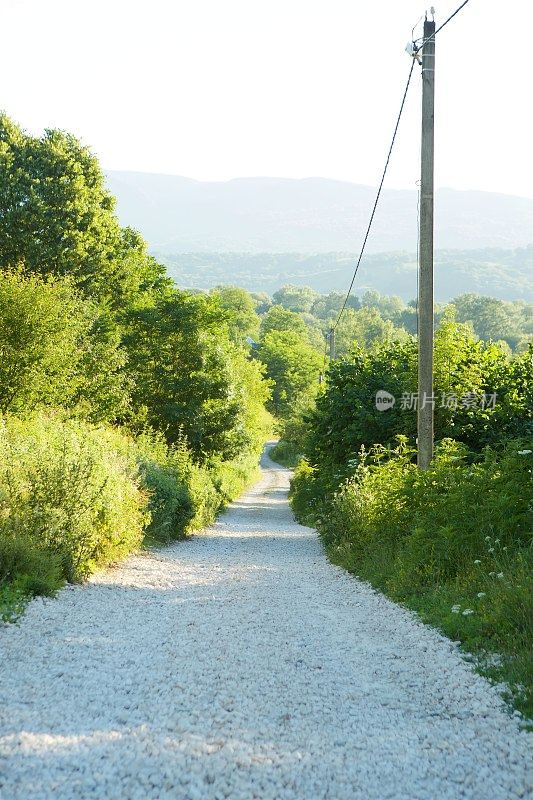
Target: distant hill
x=505 y=274
x=313 y=215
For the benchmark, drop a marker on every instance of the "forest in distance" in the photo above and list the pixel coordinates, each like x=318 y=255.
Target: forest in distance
x=501 y=273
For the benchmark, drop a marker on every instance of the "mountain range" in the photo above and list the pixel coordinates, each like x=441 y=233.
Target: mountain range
x=261 y=233
x=312 y=215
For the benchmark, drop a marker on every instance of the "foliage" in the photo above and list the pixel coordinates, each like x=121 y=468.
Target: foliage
x=280 y=319
x=346 y=416
x=69 y=488
x=243 y=319
x=189 y=377
x=293 y=366
x=56 y=349
x=28 y=567
x=496 y=320
x=365 y=327
x=407 y=532
x=57 y=218
x=285 y=453
x=327 y=307
x=295 y=298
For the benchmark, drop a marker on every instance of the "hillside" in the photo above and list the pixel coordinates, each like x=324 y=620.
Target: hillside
x=313 y=215
x=505 y=274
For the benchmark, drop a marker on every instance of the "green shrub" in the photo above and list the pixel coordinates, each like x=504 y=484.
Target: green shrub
x=28 y=567
x=70 y=488
x=286 y=454
x=185 y=496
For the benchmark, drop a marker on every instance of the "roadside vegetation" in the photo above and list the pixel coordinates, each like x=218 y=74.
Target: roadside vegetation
x=130 y=411
x=453 y=543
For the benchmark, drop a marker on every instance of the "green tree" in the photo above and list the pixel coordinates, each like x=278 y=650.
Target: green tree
x=278 y=318
x=57 y=350
x=240 y=306
x=189 y=377
x=327 y=306
x=58 y=218
x=364 y=328
x=466 y=370
x=293 y=366
x=295 y=298
x=491 y=319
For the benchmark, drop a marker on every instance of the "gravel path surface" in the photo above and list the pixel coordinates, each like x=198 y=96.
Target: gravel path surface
x=241 y=664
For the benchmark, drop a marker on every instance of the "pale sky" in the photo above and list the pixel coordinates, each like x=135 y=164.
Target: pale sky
x=217 y=89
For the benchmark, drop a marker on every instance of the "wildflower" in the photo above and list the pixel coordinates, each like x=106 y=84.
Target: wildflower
x=491 y=550
x=524 y=452
x=499 y=575
x=487 y=538
x=492 y=574
x=477 y=561
x=496 y=541
x=467 y=612
x=481 y=594
x=456 y=609
x=504 y=548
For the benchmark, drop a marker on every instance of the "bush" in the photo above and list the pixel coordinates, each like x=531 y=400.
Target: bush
x=69 y=488
x=286 y=454
x=28 y=567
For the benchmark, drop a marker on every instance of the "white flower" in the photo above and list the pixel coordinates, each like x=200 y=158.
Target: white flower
x=496 y=541
x=467 y=612
x=477 y=561
x=491 y=550
x=487 y=538
x=524 y=452
x=456 y=609
x=492 y=574
x=499 y=575
x=481 y=594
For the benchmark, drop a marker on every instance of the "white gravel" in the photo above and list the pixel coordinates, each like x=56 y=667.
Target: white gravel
x=241 y=664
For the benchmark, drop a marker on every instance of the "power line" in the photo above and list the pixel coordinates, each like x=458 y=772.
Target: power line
x=377 y=196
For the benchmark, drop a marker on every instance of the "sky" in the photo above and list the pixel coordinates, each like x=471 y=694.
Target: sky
x=219 y=89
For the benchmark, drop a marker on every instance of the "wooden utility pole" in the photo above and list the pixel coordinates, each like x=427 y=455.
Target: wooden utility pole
x=425 y=278
x=332 y=343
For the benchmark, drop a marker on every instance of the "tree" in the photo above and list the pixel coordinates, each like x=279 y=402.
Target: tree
x=327 y=306
x=295 y=298
x=491 y=319
x=364 y=328
x=189 y=377
x=57 y=350
x=293 y=366
x=466 y=371
x=58 y=218
x=278 y=318
x=240 y=306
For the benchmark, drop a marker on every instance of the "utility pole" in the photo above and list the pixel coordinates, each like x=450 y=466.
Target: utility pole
x=332 y=343
x=425 y=278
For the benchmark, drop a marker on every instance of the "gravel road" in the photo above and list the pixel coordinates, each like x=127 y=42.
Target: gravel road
x=241 y=664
